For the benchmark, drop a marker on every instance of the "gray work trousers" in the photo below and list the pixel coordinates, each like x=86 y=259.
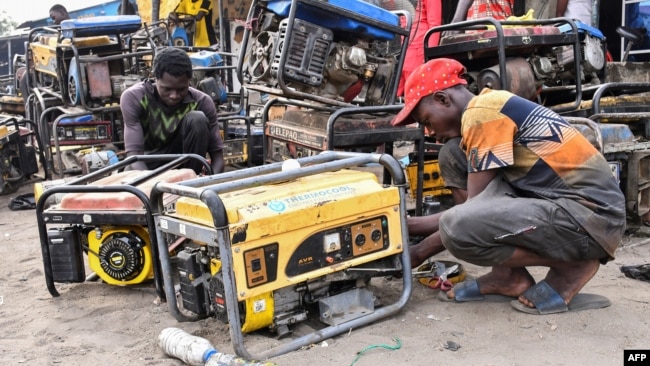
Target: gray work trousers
x=487 y=228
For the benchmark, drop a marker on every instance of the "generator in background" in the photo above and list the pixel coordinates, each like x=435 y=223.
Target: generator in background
x=269 y=247
x=17 y=153
x=84 y=62
x=71 y=132
x=551 y=60
x=207 y=67
x=433 y=183
x=617 y=122
x=562 y=64
x=106 y=217
x=338 y=52
x=327 y=74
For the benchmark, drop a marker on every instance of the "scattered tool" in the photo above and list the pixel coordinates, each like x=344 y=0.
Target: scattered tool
x=442 y=282
x=428 y=269
x=439 y=274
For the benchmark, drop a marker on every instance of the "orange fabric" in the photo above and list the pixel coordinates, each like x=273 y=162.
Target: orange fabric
x=497 y=9
x=428 y=14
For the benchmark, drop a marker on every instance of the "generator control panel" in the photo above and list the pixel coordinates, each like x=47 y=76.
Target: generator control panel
x=333 y=246
x=84 y=133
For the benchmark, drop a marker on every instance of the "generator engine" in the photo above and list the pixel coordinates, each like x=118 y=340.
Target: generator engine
x=120 y=255
x=537 y=58
x=299 y=247
x=326 y=55
x=97 y=82
x=557 y=67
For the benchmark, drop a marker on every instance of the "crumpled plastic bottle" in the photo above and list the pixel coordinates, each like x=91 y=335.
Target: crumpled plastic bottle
x=198 y=351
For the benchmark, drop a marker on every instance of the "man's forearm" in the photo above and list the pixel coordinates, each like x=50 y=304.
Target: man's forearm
x=423 y=225
x=138 y=165
x=560 y=8
x=217 y=163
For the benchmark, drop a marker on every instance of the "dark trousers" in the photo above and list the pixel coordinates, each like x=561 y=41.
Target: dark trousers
x=191 y=138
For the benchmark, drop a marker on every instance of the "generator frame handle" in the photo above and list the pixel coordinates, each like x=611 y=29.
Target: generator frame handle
x=200 y=189
x=616 y=86
x=403 y=132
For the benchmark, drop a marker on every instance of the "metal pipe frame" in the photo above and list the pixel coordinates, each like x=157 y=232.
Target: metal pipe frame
x=592 y=126
x=385 y=109
x=636 y=151
x=637 y=87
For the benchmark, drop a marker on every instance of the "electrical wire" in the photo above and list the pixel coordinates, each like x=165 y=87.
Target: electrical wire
x=398 y=345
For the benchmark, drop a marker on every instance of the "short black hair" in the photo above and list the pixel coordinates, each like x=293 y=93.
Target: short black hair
x=173 y=61
x=60 y=8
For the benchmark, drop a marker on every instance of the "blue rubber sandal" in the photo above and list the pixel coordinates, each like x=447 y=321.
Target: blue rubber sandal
x=468 y=290
x=548 y=301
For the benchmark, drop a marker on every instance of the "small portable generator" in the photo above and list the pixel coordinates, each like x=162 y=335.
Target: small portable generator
x=105 y=215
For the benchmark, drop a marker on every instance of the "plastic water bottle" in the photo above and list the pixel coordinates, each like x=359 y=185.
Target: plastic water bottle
x=222 y=359
x=197 y=351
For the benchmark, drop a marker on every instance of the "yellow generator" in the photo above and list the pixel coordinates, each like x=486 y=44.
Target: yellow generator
x=269 y=246
x=106 y=217
x=432 y=182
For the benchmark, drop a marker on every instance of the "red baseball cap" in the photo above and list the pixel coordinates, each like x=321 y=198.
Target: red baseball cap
x=426 y=79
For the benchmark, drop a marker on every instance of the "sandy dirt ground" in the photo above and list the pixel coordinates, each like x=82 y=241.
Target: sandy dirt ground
x=94 y=323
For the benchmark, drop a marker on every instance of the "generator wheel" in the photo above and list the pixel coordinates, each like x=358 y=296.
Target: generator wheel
x=259 y=61
x=74 y=84
x=179 y=42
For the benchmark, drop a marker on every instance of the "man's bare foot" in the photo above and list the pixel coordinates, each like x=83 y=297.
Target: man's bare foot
x=568 y=279
x=505 y=281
